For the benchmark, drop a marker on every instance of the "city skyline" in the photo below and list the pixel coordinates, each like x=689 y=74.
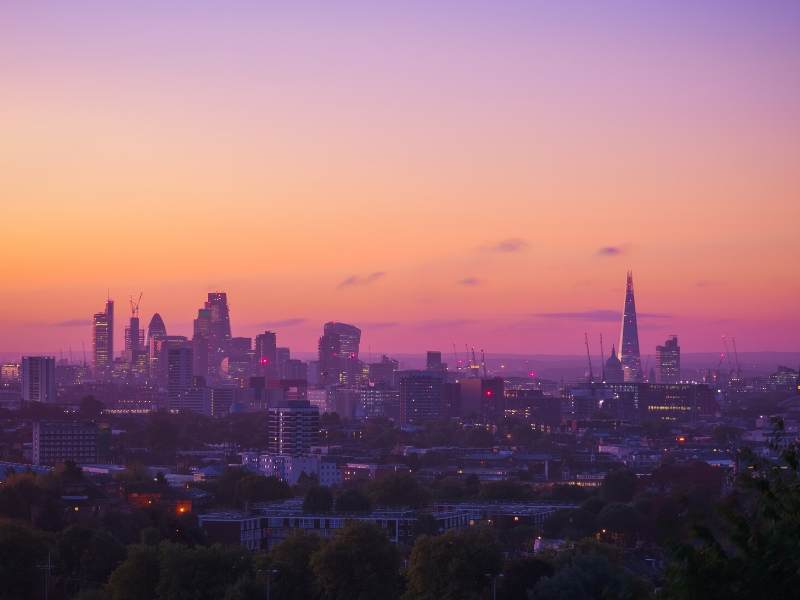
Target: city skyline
x=433 y=175
x=301 y=333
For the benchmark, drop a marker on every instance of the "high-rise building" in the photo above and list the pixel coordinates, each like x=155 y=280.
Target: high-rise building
x=134 y=341
x=39 y=379
x=156 y=328
x=613 y=372
x=338 y=354
x=434 y=362
x=380 y=401
x=179 y=370
x=103 y=340
x=220 y=317
x=384 y=373
x=266 y=353
x=668 y=360
x=482 y=397
x=629 y=337
x=59 y=441
x=292 y=427
x=420 y=397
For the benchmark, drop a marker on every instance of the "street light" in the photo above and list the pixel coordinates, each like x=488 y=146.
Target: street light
x=270 y=573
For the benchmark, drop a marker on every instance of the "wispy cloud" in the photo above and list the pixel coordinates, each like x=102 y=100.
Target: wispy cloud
x=73 y=323
x=380 y=325
x=609 y=251
x=469 y=281
x=586 y=315
x=445 y=323
x=354 y=280
x=597 y=315
x=285 y=322
x=507 y=246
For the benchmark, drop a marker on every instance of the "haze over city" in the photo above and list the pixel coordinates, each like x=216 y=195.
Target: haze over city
x=455 y=300
x=438 y=174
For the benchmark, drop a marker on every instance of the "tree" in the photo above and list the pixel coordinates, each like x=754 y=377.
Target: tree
x=521 y=575
x=358 y=563
x=751 y=549
x=90 y=408
x=21 y=550
x=457 y=565
x=619 y=518
x=257 y=488
x=88 y=555
x=319 y=499
x=397 y=489
x=352 y=500
x=619 y=485
x=200 y=573
x=136 y=578
x=294 y=579
x=571 y=524
x=591 y=577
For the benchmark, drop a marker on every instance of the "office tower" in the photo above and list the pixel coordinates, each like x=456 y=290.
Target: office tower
x=420 y=397
x=613 y=371
x=292 y=427
x=220 y=317
x=103 y=340
x=384 y=372
x=179 y=370
x=155 y=329
x=282 y=357
x=668 y=361
x=629 y=337
x=266 y=353
x=134 y=341
x=295 y=369
x=39 y=379
x=380 y=401
x=59 y=441
x=483 y=398
x=338 y=354
x=201 y=340
x=10 y=373
x=434 y=362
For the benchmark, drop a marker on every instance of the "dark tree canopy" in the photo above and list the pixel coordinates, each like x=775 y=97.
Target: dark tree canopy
x=358 y=563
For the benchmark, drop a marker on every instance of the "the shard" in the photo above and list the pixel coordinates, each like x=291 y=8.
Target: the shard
x=629 y=337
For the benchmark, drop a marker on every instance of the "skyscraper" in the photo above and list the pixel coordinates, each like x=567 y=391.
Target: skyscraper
x=668 y=360
x=613 y=372
x=156 y=328
x=103 y=340
x=338 y=354
x=292 y=427
x=420 y=397
x=266 y=353
x=179 y=371
x=434 y=362
x=220 y=317
x=629 y=337
x=38 y=379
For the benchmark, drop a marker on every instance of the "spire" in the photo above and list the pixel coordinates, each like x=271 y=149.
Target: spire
x=629 y=336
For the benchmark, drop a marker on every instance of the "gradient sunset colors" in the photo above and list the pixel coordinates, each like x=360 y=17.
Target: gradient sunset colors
x=468 y=172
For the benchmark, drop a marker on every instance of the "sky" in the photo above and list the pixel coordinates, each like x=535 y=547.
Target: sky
x=465 y=172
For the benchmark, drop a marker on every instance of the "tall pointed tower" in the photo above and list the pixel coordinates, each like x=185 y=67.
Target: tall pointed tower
x=629 y=337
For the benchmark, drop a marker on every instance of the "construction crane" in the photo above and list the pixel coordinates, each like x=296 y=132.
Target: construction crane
x=483 y=363
x=135 y=305
x=588 y=356
x=736 y=357
x=727 y=353
x=602 y=360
